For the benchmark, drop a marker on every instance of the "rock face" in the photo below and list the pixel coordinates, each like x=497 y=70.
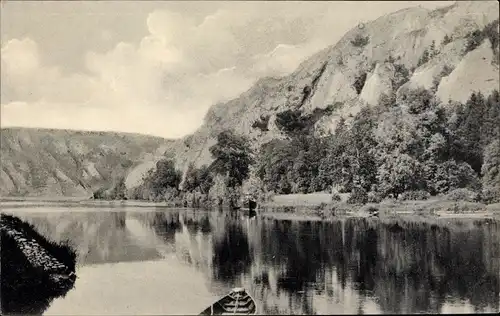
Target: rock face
x=38 y=162
x=328 y=77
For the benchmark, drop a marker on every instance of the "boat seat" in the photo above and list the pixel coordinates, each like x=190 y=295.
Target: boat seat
x=240 y=303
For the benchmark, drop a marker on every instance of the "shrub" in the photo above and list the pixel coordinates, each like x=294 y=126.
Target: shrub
x=360 y=41
x=474 y=39
x=462 y=208
x=374 y=197
x=262 y=123
x=369 y=209
x=100 y=194
x=401 y=76
x=358 y=196
x=462 y=194
x=424 y=58
x=321 y=206
x=490 y=195
x=336 y=197
x=446 y=40
x=359 y=82
x=291 y=121
x=414 y=195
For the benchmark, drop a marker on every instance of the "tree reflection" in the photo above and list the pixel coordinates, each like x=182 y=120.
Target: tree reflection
x=231 y=251
x=409 y=267
x=349 y=265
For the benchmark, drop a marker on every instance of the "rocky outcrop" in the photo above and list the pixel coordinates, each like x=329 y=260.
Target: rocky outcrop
x=34 y=270
x=475 y=72
x=374 y=51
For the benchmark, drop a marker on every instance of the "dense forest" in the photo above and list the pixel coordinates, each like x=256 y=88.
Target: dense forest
x=409 y=147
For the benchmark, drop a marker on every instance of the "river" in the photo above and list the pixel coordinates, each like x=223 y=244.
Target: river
x=153 y=260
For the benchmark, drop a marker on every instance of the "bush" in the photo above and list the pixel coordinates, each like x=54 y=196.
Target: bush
x=360 y=41
x=369 y=209
x=359 y=82
x=336 y=197
x=358 y=196
x=424 y=58
x=462 y=195
x=291 y=121
x=262 y=123
x=446 y=40
x=100 y=194
x=415 y=195
x=321 y=206
x=464 y=208
x=490 y=195
x=374 y=197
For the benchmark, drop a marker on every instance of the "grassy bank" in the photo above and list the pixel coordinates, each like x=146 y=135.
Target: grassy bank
x=320 y=206
x=305 y=206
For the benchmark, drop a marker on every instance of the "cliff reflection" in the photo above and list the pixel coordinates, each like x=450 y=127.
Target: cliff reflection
x=97 y=237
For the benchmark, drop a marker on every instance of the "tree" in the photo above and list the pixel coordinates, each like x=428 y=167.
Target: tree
x=432 y=49
x=417 y=101
x=446 y=40
x=198 y=179
x=424 y=58
x=399 y=173
x=465 y=131
x=401 y=76
x=359 y=82
x=162 y=178
x=490 y=128
x=362 y=157
x=119 y=190
x=291 y=122
x=491 y=167
x=232 y=159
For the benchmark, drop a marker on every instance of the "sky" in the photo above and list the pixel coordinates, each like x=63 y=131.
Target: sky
x=155 y=67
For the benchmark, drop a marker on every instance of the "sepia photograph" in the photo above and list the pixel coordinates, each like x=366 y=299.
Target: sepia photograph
x=249 y=157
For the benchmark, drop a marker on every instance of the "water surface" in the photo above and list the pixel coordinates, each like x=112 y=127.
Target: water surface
x=168 y=261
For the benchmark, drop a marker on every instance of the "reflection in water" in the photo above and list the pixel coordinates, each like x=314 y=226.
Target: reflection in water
x=231 y=251
x=303 y=267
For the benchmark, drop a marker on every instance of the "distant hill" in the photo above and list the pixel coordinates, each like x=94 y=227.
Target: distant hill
x=46 y=162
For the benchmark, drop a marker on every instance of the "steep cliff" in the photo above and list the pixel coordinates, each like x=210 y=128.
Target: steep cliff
x=430 y=48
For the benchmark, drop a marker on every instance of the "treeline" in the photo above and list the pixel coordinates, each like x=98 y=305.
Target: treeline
x=410 y=147
x=219 y=184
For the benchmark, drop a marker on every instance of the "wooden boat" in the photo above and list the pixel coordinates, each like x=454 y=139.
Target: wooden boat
x=236 y=302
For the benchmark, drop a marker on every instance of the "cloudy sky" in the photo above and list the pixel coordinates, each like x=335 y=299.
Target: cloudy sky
x=155 y=67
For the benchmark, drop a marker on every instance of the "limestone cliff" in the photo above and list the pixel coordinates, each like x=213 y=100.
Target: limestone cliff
x=376 y=50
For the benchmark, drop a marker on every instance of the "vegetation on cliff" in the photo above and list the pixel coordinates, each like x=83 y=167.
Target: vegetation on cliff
x=408 y=147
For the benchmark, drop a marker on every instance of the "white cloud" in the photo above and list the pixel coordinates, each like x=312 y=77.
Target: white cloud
x=20 y=57
x=164 y=83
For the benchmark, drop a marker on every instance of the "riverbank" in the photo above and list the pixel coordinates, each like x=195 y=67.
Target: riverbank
x=320 y=206
x=33 y=267
x=314 y=206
